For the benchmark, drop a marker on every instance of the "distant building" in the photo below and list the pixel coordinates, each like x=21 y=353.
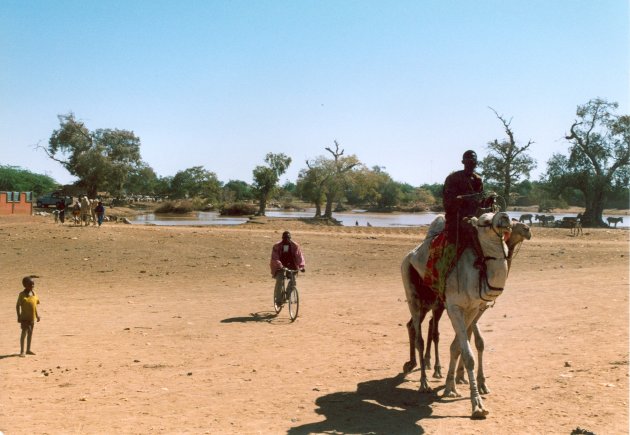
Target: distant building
x=16 y=203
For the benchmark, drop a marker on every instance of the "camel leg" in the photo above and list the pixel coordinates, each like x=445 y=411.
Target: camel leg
x=460 y=377
x=409 y=365
x=435 y=333
x=427 y=351
x=417 y=323
x=480 y=345
x=460 y=374
x=458 y=320
x=449 y=389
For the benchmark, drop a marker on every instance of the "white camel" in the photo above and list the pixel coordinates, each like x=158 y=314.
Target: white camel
x=520 y=232
x=85 y=210
x=467 y=292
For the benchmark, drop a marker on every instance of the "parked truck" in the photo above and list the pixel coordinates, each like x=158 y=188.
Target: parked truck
x=51 y=199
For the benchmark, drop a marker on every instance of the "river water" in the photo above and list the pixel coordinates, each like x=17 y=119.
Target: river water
x=352 y=218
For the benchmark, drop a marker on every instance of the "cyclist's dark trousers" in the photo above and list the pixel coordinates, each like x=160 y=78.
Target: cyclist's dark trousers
x=279 y=281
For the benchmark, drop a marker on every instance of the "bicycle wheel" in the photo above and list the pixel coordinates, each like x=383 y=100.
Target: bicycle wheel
x=278 y=300
x=294 y=302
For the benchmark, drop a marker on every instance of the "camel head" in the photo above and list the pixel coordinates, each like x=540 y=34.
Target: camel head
x=520 y=232
x=493 y=229
x=499 y=222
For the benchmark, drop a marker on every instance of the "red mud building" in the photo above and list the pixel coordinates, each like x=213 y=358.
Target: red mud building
x=16 y=203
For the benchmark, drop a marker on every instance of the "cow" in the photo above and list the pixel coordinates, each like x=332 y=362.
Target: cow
x=614 y=220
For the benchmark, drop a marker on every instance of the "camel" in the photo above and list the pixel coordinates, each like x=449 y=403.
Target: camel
x=85 y=211
x=520 y=232
x=526 y=217
x=93 y=204
x=614 y=220
x=467 y=292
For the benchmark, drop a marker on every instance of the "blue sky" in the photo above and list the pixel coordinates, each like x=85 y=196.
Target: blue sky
x=404 y=84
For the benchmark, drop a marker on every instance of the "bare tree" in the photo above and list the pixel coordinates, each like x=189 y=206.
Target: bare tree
x=507 y=162
x=335 y=183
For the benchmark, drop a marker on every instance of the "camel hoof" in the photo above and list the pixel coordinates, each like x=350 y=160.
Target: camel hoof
x=461 y=380
x=479 y=414
x=408 y=366
x=424 y=387
x=483 y=389
x=437 y=373
x=451 y=393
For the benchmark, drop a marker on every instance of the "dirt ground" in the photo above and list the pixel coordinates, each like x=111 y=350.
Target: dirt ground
x=150 y=329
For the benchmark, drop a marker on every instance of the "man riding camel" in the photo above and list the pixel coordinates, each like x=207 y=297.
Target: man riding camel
x=463 y=196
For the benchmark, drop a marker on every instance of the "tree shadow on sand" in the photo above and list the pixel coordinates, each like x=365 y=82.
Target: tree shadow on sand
x=261 y=316
x=378 y=407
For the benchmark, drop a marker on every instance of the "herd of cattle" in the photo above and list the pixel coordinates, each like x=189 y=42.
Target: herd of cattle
x=574 y=223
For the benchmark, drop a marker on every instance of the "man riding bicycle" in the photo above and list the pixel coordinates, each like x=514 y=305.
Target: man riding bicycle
x=285 y=254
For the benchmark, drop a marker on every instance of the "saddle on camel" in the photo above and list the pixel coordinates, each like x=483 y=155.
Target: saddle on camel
x=463 y=197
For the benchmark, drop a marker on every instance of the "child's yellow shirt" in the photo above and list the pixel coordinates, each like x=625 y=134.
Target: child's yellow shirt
x=28 y=307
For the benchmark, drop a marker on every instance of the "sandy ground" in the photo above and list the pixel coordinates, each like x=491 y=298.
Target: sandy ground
x=151 y=329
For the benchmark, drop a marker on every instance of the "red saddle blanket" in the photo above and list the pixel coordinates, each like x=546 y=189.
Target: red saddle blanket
x=442 y=258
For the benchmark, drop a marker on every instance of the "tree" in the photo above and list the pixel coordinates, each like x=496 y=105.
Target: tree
x=338 y=170
x=266 y=178
x=13 y=178
x=374 y=187
x=142 y=180
x=310 y=183
x=100 y=159
x=598 y=155
x=236 y=191
x=506 y=162
x=196 y=182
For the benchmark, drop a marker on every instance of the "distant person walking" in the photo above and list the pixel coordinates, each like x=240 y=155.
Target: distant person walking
x=26 y=308
x=100 y=212
x=61 y=207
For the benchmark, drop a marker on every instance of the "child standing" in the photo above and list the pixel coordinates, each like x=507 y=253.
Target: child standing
x=26 y=308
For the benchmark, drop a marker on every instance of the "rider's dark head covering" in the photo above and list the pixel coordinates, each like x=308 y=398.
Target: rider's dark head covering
x=286 y=236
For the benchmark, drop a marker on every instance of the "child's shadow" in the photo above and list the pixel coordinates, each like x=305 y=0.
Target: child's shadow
x=9 y=356
x=377 y=407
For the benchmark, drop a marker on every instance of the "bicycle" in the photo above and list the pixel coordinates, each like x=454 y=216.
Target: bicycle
x=289 y=293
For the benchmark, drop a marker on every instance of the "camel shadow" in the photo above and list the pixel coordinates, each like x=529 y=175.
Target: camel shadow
x=379 y=407
x=261 y=316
